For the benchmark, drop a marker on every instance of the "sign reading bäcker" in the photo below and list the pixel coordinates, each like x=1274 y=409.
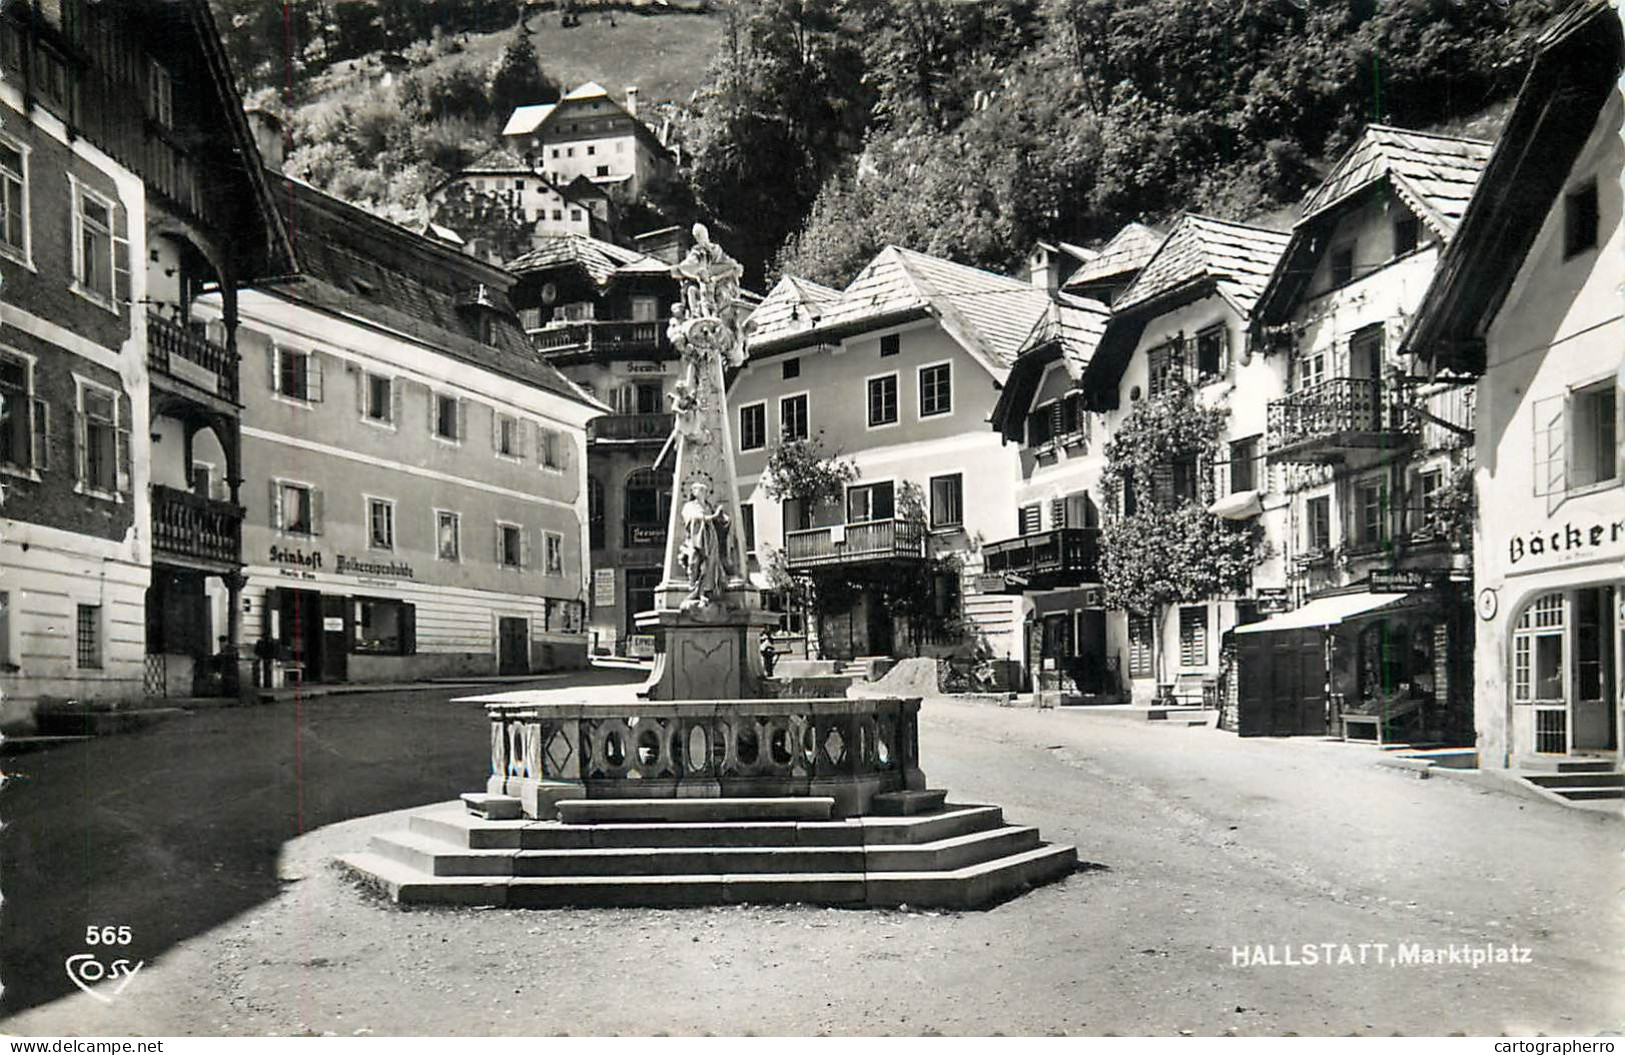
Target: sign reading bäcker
x=1567 y=543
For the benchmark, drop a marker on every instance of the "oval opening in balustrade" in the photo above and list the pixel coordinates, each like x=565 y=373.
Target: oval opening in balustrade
x=778 y=746
x=648 y=747
x=746 y=747
x=697 y=752
x=614 y=750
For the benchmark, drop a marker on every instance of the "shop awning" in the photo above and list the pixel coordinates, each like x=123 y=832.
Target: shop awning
x=1238 y=506
x=1325 y=611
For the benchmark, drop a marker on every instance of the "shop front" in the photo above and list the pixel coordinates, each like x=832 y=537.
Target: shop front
x=1379 y=663
x=1067 y=649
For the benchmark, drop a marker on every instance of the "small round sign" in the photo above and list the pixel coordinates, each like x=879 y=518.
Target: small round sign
x=1488 y=602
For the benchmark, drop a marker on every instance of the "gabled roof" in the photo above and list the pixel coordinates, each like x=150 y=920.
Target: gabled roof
x=602 y=261
x=1126 y=251
x=1068 y=332
x=1201 y=257
x=1236 y=258
x=526 y=119
x=794 y=304
x=590 y=90
x=990 y=315
x=1577 y=63
x=1433 y=174
x=498 y=159
x=355 y=264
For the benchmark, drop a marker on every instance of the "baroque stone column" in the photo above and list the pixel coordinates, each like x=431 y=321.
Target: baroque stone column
x=706 y=611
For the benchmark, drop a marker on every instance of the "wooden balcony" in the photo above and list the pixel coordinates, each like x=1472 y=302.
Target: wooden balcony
x=608 y=338
x=174 y=351
x=199 y=531
x=1059 y=557
x=1325 y=422
x=630 y=428
x=875 y=540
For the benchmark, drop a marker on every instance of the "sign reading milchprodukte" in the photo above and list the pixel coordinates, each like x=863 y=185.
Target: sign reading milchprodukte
x=1573 y=542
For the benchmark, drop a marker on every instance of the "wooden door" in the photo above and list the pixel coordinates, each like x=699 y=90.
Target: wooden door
x=337 y=630
x=513 y=645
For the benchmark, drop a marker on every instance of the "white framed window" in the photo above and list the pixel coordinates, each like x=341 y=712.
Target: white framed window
x=102 y=446
x=1311 y=370
x=752 y=426
x=553 y=553
x=93 y=237
x=448 y=535
x=381 y=524
x=1370 y=511
x=550 y=449
x=870 y=502
x=1538 y=665
x=16 y=236
x=948 y=500
x=295 y=508
x=160 y=94
x=1576 y=439
x=296 y=375
x=881 y=392
x=88 y=637
x=510 y=545
x=25 y=420
x=1317 y=530
x=507 y=438
x=794 y=421
x=936 y=389
x=378 y=397
x=447 y=418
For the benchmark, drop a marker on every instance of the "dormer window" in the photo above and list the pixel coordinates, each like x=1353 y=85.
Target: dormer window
x=1407 y=235
x=1342 y=264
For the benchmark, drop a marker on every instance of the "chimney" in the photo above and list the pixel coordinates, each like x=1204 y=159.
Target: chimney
x=632 y=99
x=269 y=137
x=1041 y=268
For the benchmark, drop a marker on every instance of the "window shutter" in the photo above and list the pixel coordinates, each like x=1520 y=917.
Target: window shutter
x=462 y=420
x=567 y=449
x=315 y=511
x=360 y=390
x=1057 y=512
x=121 y=252
x=1057 y=425
x=22 y=431
x=1162 y=485
x=409 y=629
x=499 y=545
x=123 y=470
x=433 y=417
x=524 y=548
x=74 y=222
x=1551 y=456
x=271 y=363
x=276 y=506
x=395 y=386
x=313 y=377
x=79 y=446
x=496 y=430
x=40 y=442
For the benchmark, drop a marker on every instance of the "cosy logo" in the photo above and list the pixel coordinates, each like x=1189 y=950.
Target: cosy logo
x=86 y=971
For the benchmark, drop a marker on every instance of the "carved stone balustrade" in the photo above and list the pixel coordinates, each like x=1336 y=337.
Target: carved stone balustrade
x=846 y=749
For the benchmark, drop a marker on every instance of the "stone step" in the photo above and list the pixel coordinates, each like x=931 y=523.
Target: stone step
x=1559 y=781
x=908 y=803
x=637 y=862
x=432 y=857
x=455 y=825
x=973 y=886
x=1559 y=764
x=952 y=853
x=493 y=807
x=634 y=811
x=952 y=821
x=1589 y=794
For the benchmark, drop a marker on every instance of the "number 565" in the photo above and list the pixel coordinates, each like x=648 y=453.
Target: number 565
x=107 y=935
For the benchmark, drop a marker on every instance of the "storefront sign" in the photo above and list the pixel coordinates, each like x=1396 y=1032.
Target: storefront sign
x=641 y=646
x=1566 y=544
x=385 y=569
x=1391 y=581
x=334 y=623
x=646 y=534
x=645 y=368
x=1272 y=599
x=988 y=583
x=297 y=557
x=603 y=587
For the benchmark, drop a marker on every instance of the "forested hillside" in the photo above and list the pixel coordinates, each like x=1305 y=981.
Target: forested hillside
x=824 y=129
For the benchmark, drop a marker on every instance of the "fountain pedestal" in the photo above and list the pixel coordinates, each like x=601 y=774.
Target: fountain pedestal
x=711 y=652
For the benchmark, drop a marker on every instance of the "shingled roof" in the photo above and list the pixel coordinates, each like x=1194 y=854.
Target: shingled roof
x=1236 y=258
x=1434 y=174
x=794 y=304
x=354 y=264
x=990 y=315
x=1126 y=251
x=1068 y=332
x=602 y=261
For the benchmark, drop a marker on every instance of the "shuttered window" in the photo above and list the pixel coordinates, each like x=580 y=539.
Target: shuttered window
x=1193 y=636
x=1030 y=520
x=1139 y=645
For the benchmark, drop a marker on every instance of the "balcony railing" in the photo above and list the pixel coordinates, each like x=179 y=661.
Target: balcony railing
x=654 y=428
x=854 y=543
x=187 y=525
x=608 y=336
x=1070 y=555
x=178 y=352
x=1320 y=422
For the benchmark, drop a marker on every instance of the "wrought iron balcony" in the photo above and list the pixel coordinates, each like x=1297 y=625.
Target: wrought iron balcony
x=1059 y=557
x=176 y=351
x=196 y=528
x=874 y=540
x=1323 y=422
x=630 y=428
x=607 y=337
